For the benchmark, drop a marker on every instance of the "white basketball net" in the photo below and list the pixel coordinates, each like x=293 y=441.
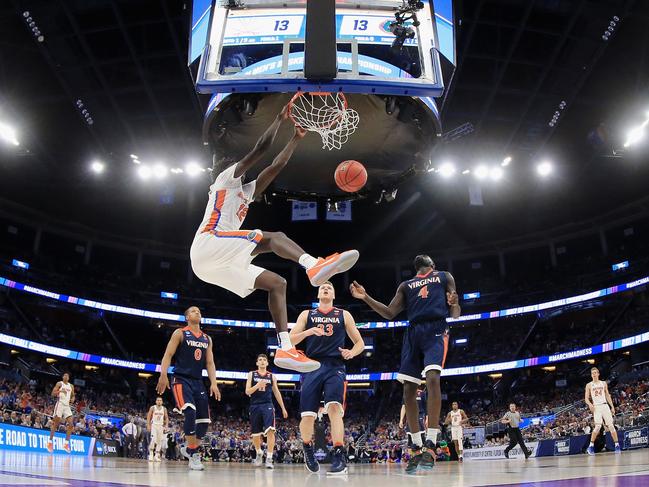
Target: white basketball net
x=327 y=114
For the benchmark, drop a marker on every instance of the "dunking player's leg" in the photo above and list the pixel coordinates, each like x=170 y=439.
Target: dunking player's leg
x=433 y=404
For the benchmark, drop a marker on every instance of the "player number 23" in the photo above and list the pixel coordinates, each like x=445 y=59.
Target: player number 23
x=328 y=329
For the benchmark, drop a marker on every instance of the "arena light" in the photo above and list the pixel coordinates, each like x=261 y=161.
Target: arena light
x=135 y=159
x=446 y=170
x=145 y=172
x=168 y=295
x=90 y=367
x=495 y=376
x=50 y=360
x=506 y=161
x=461 y=341
x=496 y=174
x=550 y=368
x=636 y=135
x=8 y=134
x=481 y=172
x=225 y=382
x=160 y=171
x=20 y=264
x=466 y=171
x=620 y=265
x=474 y=295
x=97 y=167
x=177 y=170
x=144 y=375
x=192 y=169
x=544 y=169
x=359 y=385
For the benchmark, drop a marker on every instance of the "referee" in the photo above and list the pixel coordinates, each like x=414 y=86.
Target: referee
x=513 y=419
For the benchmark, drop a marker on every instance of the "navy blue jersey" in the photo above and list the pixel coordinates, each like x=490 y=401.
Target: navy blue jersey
x=333 y=324
x=426 y=297
x=421 y=402
x=189 y=359
x=262 y=397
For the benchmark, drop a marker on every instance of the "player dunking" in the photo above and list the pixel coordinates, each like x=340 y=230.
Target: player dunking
x=325 y=329
x=221 y=254
x=428 y=298
x=192 y=351
x=64 y=393
x=456 y=417
x=262 y=411
x=601 y=405
x=157 y=421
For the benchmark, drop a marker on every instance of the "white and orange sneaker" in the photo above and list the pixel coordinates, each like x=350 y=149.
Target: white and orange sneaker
x=294 y=359
x=66 y=447
x=332 y=265
x=50 y=446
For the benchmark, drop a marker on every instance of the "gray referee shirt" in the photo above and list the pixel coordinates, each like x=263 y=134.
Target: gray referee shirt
x=514 y=418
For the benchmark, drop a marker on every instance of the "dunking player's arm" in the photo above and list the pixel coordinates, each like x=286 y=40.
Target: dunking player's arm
x=211 y=372
x=269 y=174
x=397 y=304
x=263 y=144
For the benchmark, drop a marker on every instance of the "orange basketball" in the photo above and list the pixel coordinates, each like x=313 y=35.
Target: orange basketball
x=350 y=176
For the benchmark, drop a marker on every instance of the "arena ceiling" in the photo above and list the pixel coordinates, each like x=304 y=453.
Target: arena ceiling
x=517 y=63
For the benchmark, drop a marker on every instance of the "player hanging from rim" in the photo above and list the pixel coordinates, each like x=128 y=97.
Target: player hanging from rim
x=428 y=298
x=64 y=393
x=601 y=405
x=157 y=422
x=456 y=417
x=221 y=254
x=325 y=330
x=262 y=410
x=192 y=351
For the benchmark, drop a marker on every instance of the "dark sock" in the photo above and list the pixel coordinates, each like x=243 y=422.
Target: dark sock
x=191 y=451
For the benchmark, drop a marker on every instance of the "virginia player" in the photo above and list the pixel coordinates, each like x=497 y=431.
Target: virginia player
x=421 y=407
x=325 y=329
x=192 y=352
x=428 y=299
x=221 y=254
x=262 y=411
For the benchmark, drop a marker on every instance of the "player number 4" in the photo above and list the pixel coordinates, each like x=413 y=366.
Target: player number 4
x=423 y=292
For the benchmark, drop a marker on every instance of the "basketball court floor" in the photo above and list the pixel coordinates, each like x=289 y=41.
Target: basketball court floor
x=605 y=470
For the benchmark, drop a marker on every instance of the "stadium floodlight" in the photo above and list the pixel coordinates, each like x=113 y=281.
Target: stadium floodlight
x=160 y=171
x=544 y=169
x=135 y=159
x=636 y=135
x=446 y=170
x=168 y=295
x=192 y=169
x=97 y=167
x=506 y=161
x=481 y=172
x=461 y=341
x=144 y=172
x=474 y=295
x=8 y=134
x=466 y=171
x=620 y=265
x=496 y=174
x=20 y=264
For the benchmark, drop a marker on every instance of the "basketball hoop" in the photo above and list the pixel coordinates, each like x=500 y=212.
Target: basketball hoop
x=324 y=113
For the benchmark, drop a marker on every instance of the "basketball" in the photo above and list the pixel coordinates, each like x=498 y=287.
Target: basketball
x=350 y=176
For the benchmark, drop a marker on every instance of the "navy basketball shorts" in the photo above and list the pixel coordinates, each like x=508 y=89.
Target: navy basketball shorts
x=328 y=383
x=424 y=348
x=191 y=393
x=262 y=418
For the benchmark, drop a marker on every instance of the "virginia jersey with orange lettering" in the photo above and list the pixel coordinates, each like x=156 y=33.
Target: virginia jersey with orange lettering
x=426 y=297
x=227 y=205
x=333 y=324
x=189 y=359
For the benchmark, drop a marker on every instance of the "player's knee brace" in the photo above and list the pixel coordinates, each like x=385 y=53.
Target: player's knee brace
x=201 y=427
x=190 y=421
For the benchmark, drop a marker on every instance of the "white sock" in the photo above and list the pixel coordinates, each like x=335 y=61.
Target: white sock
x=307 y=261
x=260 y=452
x=416 y=439
x=591 y=444
x=617 y=443
x=284 y=340
x=431 y=434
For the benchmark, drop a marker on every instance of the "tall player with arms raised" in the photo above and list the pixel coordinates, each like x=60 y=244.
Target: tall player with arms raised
x=221 y=253
x=456 y=417
x=64 y=393
x=325 y=329
x=261 y=385
x=601 y=405
x=428 y=298
x=157 y=421
x=191 y=350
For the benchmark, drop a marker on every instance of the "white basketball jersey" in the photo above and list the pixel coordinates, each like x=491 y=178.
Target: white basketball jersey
x=456 y=418
x=65 y=392
x=597 y=392
x=158 y=416
x=228 y=202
